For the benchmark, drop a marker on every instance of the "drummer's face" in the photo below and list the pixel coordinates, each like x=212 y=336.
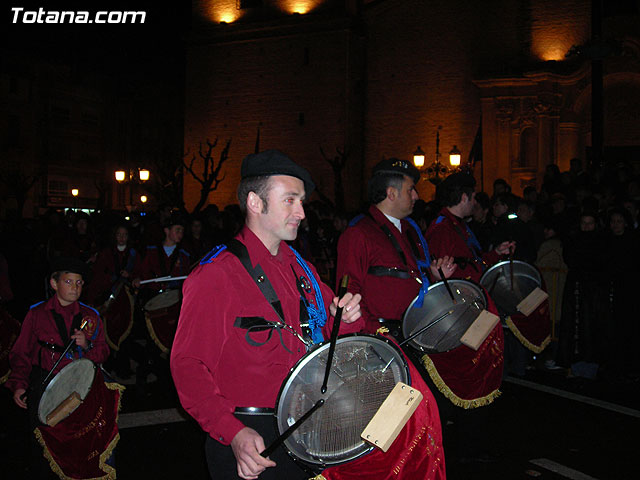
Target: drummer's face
x=469 y=203
x=407 y=197
x=68 y=288
x=284 y=210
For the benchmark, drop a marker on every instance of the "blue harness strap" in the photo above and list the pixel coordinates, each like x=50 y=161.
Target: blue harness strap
x=423 y=265
x=317 y=313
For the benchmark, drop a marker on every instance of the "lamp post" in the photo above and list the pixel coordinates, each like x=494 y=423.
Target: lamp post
x=75 y=192
x=437 y=171
x=132 y=177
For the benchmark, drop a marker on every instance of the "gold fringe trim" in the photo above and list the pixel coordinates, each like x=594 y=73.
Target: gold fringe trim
x=153 y=335
x=122 y=338
x=446 y=391
x=319 y=477
x=110 y=472
x=104 y=456
x=5 y=378
x=381 y=331
x=524 y=341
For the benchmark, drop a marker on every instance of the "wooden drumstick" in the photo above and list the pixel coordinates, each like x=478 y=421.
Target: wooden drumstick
x=446 y=284
x=278 y=441
x=66 y=350
x=334 y=332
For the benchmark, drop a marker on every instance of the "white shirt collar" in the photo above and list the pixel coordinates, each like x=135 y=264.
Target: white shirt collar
x=395 y=221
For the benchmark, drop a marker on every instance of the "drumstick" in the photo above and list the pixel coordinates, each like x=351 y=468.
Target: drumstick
x=446 y=284
x=424 y=329
x=162 y=279
x=69 y=345
x=334 y=332
x=278 y=441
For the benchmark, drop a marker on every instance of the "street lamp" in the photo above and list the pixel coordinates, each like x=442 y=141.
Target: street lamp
x=75 y=192
x=131 y=177
x=437 y=171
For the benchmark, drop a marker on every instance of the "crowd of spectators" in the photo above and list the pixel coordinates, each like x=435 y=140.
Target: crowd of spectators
x=580 y=229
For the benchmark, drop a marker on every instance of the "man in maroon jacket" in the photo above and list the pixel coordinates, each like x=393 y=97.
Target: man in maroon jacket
x=450 y=235
x=383 y=251
x=233 y=349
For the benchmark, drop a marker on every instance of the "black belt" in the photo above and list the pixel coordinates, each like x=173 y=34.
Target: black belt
x=51 y=346
x=254 y=411
x=388 y=272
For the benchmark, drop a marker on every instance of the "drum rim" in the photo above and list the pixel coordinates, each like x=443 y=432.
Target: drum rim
x=165 y=293
x=420 y=348
x=318 y=348
x=537 y=278
x=53 y=382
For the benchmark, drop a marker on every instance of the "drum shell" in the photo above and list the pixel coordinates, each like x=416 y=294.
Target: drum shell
x=445 y=334
x=497 y=281
x=336 y=400
x=78 y=376
x=162 y=319
x=163 y=302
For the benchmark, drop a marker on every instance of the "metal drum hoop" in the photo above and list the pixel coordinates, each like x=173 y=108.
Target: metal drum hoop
x=163 y=300
x=353 y=354
x=497 y=281
x=78 y=376
x=450 y=320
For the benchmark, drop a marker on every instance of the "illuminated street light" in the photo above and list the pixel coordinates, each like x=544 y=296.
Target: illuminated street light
x=143 y=198
x=75 y=192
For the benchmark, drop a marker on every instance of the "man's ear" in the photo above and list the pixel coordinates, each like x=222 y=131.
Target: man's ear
x=392 y=193
x=53 y=284
x=254 y=203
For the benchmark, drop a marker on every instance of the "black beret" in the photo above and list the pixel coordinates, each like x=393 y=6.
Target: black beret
x=176 y=218
x=395 y=165
x=68 y=264
x=274 y=162
x=459 y=179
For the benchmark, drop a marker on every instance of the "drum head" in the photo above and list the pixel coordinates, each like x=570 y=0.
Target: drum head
x=358 y=384
x=75 y=377
x=449 y=320
x=497 y=281
x=163 y=300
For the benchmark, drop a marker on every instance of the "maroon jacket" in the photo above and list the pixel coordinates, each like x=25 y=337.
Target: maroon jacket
x=40 y=325
x=364 y=252
x=449 y=235
x=214 y=367
x=157 y=264
x=106 y=271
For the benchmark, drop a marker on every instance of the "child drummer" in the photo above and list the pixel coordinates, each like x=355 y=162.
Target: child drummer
x=47 y=329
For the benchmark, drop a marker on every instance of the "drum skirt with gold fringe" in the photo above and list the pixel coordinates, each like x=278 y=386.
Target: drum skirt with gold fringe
x=470 y=378
x=79 y=446
x=417 y=452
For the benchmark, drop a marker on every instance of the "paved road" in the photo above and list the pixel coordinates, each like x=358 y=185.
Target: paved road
x=542 y=427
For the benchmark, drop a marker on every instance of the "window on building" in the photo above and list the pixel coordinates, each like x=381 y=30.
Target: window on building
x=58 y=188
x=528 y=148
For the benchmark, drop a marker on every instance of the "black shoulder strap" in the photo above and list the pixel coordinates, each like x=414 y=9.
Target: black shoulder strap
x=393 y=240
x=257 y=274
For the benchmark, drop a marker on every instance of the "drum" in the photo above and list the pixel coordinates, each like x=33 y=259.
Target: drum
x=365 y=369
x=508 y=289
x=161 y=314
x=75 y=378
x=449 y=320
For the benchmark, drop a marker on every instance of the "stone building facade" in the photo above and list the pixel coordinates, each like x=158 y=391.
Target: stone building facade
x=379 y=78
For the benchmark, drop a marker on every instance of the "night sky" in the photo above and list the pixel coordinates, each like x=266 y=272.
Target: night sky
x=100 y=46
